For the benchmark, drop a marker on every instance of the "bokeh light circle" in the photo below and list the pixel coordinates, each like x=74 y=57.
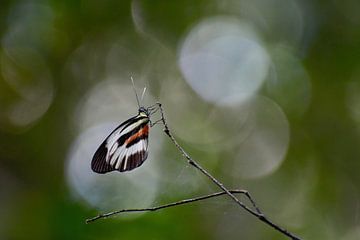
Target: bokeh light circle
x=289 y=82
x=268 y=17
x=26 y=73
x=25 y=45
x=223 y=60
x=265 y=147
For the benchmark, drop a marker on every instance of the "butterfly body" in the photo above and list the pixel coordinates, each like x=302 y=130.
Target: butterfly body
x=126 y=147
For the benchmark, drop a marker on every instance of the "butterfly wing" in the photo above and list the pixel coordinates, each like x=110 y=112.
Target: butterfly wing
x=125 y=148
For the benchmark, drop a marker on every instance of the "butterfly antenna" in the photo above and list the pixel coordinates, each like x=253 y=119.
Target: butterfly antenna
x=137 y=98
x=143 y=93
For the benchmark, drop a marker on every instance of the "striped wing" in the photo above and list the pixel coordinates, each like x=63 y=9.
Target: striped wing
x=125 y=148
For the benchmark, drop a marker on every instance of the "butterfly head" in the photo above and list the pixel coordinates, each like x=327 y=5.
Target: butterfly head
x=144 y=111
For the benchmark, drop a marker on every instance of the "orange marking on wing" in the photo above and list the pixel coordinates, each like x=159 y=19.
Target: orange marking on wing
x=143 y=131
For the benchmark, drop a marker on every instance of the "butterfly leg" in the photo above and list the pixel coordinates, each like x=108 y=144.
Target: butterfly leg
x=154 y=123
x=153 y=108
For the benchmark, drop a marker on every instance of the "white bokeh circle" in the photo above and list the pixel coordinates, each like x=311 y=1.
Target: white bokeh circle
x=223 y=60
x=264 y=149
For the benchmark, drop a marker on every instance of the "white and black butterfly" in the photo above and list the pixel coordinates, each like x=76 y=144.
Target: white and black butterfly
x=126 y=147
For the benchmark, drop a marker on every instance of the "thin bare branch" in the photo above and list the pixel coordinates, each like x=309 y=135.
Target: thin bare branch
x=152 y=209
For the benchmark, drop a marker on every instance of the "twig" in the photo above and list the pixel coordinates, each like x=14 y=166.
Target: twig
x=193 y=163
x=152 y=209
x=257 y=212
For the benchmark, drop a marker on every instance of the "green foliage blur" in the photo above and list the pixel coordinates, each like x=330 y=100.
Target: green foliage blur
x=54 y=53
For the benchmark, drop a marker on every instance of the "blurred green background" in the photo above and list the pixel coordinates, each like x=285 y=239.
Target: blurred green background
x=263 y=94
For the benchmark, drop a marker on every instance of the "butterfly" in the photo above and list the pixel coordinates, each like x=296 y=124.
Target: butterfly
x=126 y=148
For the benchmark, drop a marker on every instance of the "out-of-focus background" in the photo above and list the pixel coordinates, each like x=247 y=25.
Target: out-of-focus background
x=264 y=94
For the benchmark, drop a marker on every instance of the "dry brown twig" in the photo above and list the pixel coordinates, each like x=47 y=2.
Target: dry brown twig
x=255 y=211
